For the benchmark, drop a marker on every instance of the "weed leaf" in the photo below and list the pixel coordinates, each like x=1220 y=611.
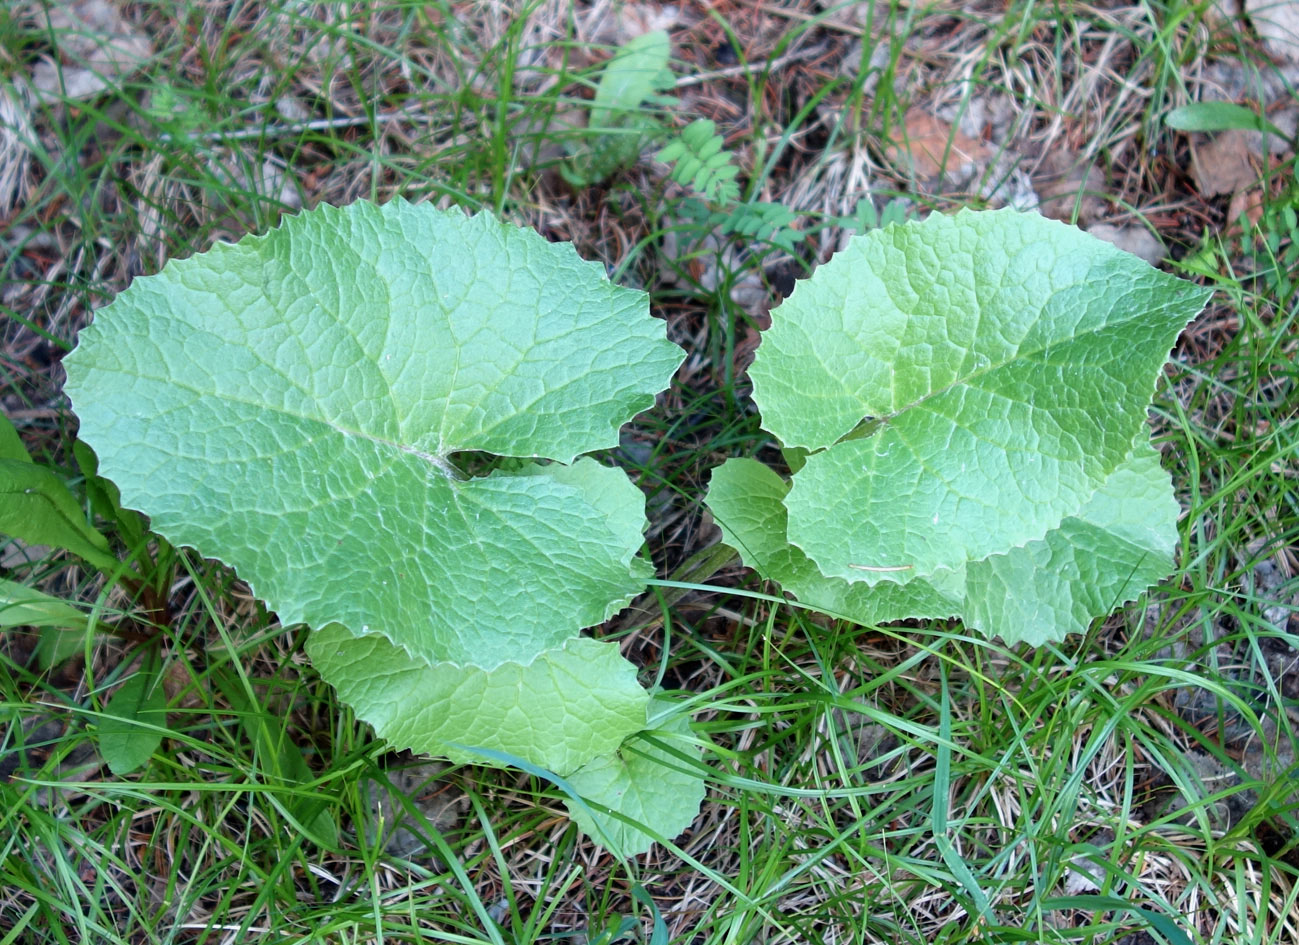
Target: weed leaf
x=37 y=508
x=131 y=728
x=700 y=161
x=22 y=606
x=1220 y=116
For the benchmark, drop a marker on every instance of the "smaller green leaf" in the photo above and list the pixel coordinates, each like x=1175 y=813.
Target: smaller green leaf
x=671 y=151
x=619 y=125
x=647 y=784
x=635 y=72
x=133 y=723
x=565 y=707
x=36 y=507
x=712 y=148
x=1220 y=116
x=701 y=162
x=11 y=444
x=22 y=606
x=698 y=133
x=658 y=928
x=105 y=500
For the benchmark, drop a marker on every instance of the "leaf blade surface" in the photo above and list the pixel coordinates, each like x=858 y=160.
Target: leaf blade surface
x=36 y=507
x=569 y=705
x=747 y=501
x=292 y=405
x=1008 y=359
x=644 y=782
x=1114 y=548
x=132 y=725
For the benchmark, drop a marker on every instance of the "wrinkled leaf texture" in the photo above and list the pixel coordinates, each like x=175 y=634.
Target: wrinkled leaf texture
x=972 y=391
x=296 y=404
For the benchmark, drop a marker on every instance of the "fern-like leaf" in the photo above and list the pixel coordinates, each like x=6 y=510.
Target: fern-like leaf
x=766 y=223
x=701 y=162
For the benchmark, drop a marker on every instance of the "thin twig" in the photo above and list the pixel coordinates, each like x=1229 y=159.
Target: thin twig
x=297 y=127
x=329 y=124
x=770 y=65
x=821 y=18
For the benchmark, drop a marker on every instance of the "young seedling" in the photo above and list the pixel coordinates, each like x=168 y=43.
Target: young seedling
x=1009 y=479
x=298 y=406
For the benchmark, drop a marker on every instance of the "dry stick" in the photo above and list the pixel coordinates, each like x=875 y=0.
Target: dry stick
x=697 y=569
x=823 y=21
x=771 y=65
x=297 y=127
x=329 y=124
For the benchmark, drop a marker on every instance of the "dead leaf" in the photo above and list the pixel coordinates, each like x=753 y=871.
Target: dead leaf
x=96 y=47
x=1064 y=180
x=1247 y=202
x=1136 y=240
x=1223 y=165
x=933 y=148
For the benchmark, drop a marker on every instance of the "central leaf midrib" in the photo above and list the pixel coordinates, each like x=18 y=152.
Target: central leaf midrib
x=436 y=460
x=966 y=380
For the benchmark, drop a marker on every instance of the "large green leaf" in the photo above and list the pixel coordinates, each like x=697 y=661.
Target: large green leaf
x=968 y=381
x=966 y=401
x=293 y=405
x=307 y=406
x=36 y=507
